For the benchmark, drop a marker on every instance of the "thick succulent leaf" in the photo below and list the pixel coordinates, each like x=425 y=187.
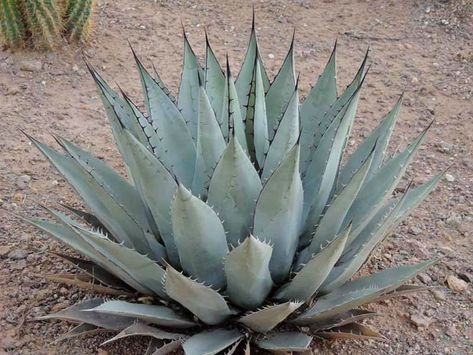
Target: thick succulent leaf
x=333 y=218
x=76 y=313
x=162 y=85
x=165 y=349
x=159 y=315
x=322 y=170
x=287 y=133
x=109 y=211
x=207 y=304
x=269 y=317
x=214 y=79
x=200 y=238
x=141 y=329
x=139 y=267
x=81 y=330
x=234 y=189
x=379 y=137
x=308 y=280
x=157 y=188
x=403 y=290
x=353 y=315
x=247 y=272
x=351 y=331
x=246 y=76
x=318 y=130
x=230 y=118
x=188 y=98
x=210 y=145
x=285 y=341
x=87 y=217
x=377 y=190
x=280 y=92
x=360 y=291
x=211 y=342
x=175 y=148
x=278 y=214
x=260 y=121
x=232 y=350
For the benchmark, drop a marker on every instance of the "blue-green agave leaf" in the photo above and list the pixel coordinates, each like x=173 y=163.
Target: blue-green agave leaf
x=142 y=329
x=360 y=291
x=191 y=79
x=214 y=79
x=285 y=341
x=210 y=145
x=350 y=331
x=159 y=315
x=351 y=316
x=175 y=147
x=285 y=137
x=247 y=271
x=206 y=303
x=278 y=214
x=281 y=91
x=157 y=188
x=260 y=122
x=200 y=238
x=211 y=342
x=266 y=319
x=308 y=280
x=234 y=189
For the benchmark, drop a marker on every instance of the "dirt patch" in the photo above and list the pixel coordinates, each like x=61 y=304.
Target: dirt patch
x=412 y=50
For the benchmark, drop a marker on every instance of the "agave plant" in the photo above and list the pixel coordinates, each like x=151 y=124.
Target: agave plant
x=238 y=226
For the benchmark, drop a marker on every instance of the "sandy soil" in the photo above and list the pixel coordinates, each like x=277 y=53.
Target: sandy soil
x=421 y=47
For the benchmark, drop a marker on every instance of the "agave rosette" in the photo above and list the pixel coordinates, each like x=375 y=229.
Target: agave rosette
x=238 y=217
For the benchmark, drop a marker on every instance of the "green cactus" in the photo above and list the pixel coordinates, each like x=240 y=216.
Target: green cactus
x=43 y=21
x=79 y=19
x=11 y=24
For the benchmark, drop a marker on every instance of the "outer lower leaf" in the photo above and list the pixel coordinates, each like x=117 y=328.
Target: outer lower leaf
x=285 y=137
x=167 y=348
x=280 y=92
x=175 y=148
x=308 y=280
x=214 y=80
x=334 y=216
x=234 y=189
x=139 y=267
x=286 y=341
x=109 y=211
x=353 y=315
x=200 y=238
x=322 y=171
x=269 y=317
x=157 y=188
x=159 y=315
x=192 y=77
x=87 y=217
x=76 y=313
x=211 y=342
x=360 y=291
x=210 y=145
x=351 y=331
x=81 y=330
x=260 y=128
x=379 y=137
x=278 y=214
x=206 y=303
x=247 y=272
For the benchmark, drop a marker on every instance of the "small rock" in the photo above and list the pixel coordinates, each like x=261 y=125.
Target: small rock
x=4 y=250
x=425 y=278
x=421 y=321
x=449 y=177
x=271 y=56
x=438 y=295
x=18 y=254
x=454 y=220
x=31 y=65
x=445 y=147
x=75 y=67
x=415 y=230
x=22 y=181
x=414 y=80
x=456 y=284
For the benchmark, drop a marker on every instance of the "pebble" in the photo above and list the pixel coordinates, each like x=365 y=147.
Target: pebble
x=22 y=181
x=454 y=220
x=415 y=230
x=271 y=56
x=31 y=65
x=456 y=284
x=18 y=254
x=421 y=321
x=425 y=278
x=438 y=295
x=4 y=250
x=449 y=177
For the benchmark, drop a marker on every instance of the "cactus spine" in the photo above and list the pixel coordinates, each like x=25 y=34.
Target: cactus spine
x=11 y=24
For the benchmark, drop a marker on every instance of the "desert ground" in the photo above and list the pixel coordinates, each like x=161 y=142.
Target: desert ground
x=422 y=48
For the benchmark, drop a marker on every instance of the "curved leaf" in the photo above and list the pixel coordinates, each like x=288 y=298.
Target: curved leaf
x=353 y=315
x=260 y=121
x=278 y=214
x=207 y=304
x=286 y=341
x=211 y=342
x=214 y=81
x=351 y=331
x=200 y=238
x=233 y=191
x=269 y=317
x=247 y=272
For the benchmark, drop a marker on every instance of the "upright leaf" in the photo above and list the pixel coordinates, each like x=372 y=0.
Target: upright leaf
x=266 y=319
x=214 y=78
x=260 y=121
